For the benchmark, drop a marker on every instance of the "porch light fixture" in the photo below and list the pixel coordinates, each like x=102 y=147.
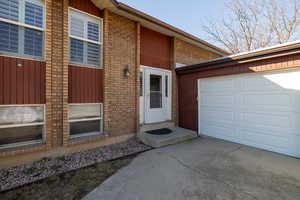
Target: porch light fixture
x=126 y=71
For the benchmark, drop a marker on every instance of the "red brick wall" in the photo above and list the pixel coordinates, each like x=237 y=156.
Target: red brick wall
x=188 y=107
x=188 y=54
x=120 y=48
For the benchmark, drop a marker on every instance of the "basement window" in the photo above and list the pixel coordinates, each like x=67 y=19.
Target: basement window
x=85 y=120
x=21 y=125
x=85 y=33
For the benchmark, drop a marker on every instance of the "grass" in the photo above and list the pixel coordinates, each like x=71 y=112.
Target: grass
x=68 y=186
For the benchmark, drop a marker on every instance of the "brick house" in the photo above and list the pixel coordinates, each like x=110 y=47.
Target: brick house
x=81 y=74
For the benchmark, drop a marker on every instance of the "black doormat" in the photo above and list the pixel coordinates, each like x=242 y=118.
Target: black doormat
x=162 y=131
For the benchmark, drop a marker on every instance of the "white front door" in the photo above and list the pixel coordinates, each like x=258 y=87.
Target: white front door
x=157 y=102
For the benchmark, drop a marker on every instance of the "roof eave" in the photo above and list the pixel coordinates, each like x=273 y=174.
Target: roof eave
x=272 y=52
x=110 y=4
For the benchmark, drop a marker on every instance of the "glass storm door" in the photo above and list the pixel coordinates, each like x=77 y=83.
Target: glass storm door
x=158 y=95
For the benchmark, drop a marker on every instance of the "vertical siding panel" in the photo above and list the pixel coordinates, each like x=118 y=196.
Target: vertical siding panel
x=13 y=80
x=69 y=85
x=1 y=80
x=32 y=80
x=85 y=85
x=95 y=91
x=43 y=83
x=73 y=85
x=6 y=84
x=101 y=86
x=79 y=99
x=90 y=84
x=38 y=82
x=20 y=78
x=26 y=82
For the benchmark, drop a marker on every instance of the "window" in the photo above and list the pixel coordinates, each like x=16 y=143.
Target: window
x=22 y=27
x=141 y=84
x=20 y=125
x=85 y=39
x=167 y=85
x=155 y=91
x=85 y=119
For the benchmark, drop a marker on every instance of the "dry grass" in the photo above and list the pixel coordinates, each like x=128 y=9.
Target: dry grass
x=68 y=186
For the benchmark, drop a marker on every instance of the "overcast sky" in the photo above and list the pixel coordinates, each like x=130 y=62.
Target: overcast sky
x=187 y=15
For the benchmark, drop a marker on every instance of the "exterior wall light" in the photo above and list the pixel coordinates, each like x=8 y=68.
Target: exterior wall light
x=126 y=71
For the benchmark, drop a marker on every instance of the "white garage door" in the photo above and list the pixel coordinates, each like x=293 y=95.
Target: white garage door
x=260 y=110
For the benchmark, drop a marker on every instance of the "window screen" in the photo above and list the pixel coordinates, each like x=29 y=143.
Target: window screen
x=33 y=42
x=86 y=45
x=9 y=37
x=76 y=53
x=77 y=27
x=93 y=54
x=33 y=14
x=155 y=91
x=93 y=31
x=26 y=38
x=9 y=9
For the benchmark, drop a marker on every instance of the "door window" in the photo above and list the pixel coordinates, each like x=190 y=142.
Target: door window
x=155 y=91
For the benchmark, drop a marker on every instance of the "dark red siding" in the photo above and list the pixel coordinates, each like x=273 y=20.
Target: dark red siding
x=86 y=6
x=85 y=85
x=22 y=85
x=155 y=49
x=187 y=83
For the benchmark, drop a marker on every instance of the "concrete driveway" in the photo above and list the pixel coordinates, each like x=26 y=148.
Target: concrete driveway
x=204 y=169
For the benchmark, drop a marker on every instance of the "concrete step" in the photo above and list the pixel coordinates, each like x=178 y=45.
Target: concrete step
x=178 y=135
x=149 y=127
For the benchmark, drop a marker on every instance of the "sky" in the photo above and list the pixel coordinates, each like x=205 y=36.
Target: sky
x=187 y=15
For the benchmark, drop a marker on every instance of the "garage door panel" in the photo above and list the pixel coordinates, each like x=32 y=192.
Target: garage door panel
x=260 y=110
x=218 y=85
x=270 y=130
x=259 y=83
x=218 y=116
x=276 y=144
x=218 y=100
x=267 y=119
x=220 y=131
x=268 y=99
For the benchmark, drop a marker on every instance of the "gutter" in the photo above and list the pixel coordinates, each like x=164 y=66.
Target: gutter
x=256 y=55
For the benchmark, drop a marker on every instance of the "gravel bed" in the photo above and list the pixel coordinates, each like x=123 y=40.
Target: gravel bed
x=17 y=176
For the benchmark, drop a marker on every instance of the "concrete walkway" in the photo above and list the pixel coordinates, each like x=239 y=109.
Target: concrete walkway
x=204 y=169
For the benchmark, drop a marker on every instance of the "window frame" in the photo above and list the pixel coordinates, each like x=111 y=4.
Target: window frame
x=22 y=25
x=30 y=142
x=85 y=39
x=101 y=119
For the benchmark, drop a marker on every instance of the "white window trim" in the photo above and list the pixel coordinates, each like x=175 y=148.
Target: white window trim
x=85 y=39
x=87 y=119
x=21 y=23
x=20 y=144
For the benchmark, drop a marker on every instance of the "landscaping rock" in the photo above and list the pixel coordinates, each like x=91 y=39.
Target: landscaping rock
x=17 y=176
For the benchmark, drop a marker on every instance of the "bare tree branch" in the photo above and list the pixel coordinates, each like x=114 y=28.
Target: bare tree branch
x=252 y=24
